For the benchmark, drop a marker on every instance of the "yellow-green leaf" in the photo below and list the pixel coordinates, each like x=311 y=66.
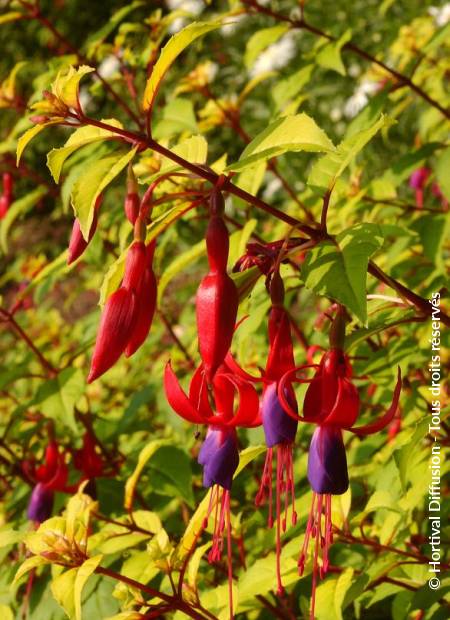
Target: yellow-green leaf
x=29 y=135
x=163 y=221
x=193 y=529
x=67 y=83
x=194 y=564
x=6 y=612
x=146 y=453
x=83 y=573
x=63 y=590
x=30 y=564
x=261 y=40
x=91 y=184
x=290 y=133
x=177 y=44
x=329 y=56
x=80 y=137
x=12 y=16
x=9 y=537
x=17 y=209
x=112 y=278
x=194 y=150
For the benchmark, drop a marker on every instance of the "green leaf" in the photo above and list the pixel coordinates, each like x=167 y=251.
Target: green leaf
x=112 y=278
x=194 y=150
x=247 y=456
x=63 y=588
x=290 y=133
x=146 y=453
x=329 y=56
x=57 y=397
x=193 y=530
x=339 y=270
x=177 y=44
x=178 y=117
x=171 y=474
x=330 y=596
x=92 y=183
x=29 y=135
x=433 y=230
x=163 y=221
x=18 y=208
x=328 y=169
x=178 y=265
x=260 y=40
x=79 y=138
x=194 y=564
x=285 y=90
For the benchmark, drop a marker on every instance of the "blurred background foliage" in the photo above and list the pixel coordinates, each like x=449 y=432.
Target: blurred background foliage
x=58 y=305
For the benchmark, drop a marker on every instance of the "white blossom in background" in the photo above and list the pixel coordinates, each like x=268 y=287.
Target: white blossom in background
x=276 y=56
x=360 y=98
x=441 y=14
x=194 y=7
x=232 y=24
x=272 y=187
x=108 y=66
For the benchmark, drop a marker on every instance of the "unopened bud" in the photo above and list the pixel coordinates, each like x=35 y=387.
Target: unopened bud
x=217 y=203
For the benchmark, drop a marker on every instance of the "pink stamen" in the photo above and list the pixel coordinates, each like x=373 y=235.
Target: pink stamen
x=229 y=554
x=319 y=526
x=280 y=589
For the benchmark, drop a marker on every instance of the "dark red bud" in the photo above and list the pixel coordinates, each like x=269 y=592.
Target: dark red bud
x=216 y=304
x=277 y=289
x=217 y=244
x=116 y=325
x=135 y=265
x=140 y=229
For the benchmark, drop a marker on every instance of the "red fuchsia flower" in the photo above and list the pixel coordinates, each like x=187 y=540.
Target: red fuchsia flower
x=90 y=463
x=217 y=296
x=219 y=455
x=49 y=477
x=128 y=312
x=332 y=403
x=78 y=243
x=417 y=181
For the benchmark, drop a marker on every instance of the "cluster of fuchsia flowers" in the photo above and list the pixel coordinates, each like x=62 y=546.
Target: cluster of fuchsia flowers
x=223 y=397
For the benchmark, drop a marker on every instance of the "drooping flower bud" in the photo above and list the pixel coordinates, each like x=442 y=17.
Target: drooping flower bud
x=115 y=328
x=145 y=310
x=135 y=266
x=5 y=203
x=219 y=457
x=217 y=296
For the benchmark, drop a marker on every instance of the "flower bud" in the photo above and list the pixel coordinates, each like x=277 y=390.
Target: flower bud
x=135 y=266
x=115 y=328
x=217 y=244
x=5 y=202
x=145 y=309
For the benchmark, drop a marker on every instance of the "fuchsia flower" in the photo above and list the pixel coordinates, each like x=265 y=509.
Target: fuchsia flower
x=49 y=477
x=219 y=455
x=332 y=403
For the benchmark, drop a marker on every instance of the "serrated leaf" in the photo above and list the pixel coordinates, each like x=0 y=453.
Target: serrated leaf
x=328 y=169
x=145 y=454
x=339 y=270
x=260 y=40
x=17 y=209
x=177 y=44
x=67 y=83
x=29 y=135
x=92 y=183
x=290 y=133
x=80 y=137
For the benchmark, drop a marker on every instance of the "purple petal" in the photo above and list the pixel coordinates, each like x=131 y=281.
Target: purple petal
x=219 y=457
x=41 y=503
x=279 y=427
x=327 y=463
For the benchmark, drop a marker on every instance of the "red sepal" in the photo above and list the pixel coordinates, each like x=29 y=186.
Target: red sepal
x=385 y=419
x=178 y=399
x=145 y=310
x=135 y=265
